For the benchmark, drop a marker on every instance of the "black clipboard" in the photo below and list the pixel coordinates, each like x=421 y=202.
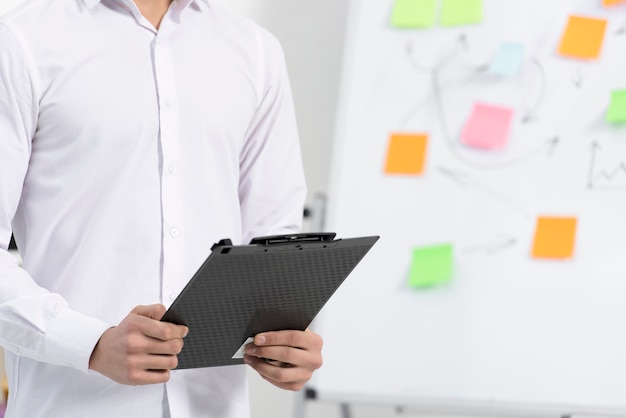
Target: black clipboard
x=275 y=283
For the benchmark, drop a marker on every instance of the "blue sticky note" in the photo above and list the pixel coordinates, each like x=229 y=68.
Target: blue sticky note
x=508 y=60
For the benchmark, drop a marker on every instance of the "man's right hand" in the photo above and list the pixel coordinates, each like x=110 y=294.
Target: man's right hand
x=141 y=350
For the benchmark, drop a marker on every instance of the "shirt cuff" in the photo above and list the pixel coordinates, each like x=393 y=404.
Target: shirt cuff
x=72 y=338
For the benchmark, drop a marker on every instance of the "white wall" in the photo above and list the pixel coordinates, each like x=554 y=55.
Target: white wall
x=311 y=33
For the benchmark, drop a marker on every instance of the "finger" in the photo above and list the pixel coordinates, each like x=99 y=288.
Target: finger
x=306 y=340
x=282 y=356
x=277 y=363
x=164 y=331
x=148 y=376
x=160 y=347
x=157 y=362
x=293 y=386
x=155 y=311
x=137 y=343
x=292 y=378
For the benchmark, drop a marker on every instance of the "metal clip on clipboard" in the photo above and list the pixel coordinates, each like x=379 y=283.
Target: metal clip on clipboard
x=293 y=239
x=282 y=239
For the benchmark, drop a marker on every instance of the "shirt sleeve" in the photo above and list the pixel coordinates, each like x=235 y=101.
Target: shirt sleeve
x=272 y=186
x=33 y=321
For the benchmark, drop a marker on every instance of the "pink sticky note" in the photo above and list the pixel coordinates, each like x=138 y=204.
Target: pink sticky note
x=488 y=126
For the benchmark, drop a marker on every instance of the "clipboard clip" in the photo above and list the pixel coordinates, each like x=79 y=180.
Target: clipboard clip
x=226 y=242
x=294 y=238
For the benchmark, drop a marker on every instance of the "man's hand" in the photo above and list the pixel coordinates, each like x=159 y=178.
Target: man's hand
x=286 y=359
x=141 y=350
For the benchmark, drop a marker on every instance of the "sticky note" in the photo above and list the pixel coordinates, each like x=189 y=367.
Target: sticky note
x=413 y=13
x=488 y=126
x=616 y=112
x=608 y=3
x=406 y=153
x=431 y=265
x=508 y=60
x=461 y=12
x=583 y=37
x=554 y=237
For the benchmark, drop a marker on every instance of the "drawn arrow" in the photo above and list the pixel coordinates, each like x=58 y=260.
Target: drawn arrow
x=463 y=179
x=414 y=63
x=578 y=80
x=530 y=114
x=595 y=147
x=493 y=247
x=552 y=145
x=461 y=43
x=607 y=175
x=621 y=30
x=458 y=177
x=462 y=40
x=420 y=67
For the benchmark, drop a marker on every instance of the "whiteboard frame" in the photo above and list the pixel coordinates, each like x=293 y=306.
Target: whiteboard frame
x=466 y=408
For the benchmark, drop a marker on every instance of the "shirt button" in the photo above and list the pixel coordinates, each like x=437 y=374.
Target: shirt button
x=168 y=102
x=173 y=296
x=172 y=169
x=174 y=232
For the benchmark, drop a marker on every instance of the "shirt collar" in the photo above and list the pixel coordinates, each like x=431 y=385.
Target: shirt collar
x=92 y=3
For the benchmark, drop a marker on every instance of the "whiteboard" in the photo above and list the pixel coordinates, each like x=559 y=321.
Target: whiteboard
x=509 y=331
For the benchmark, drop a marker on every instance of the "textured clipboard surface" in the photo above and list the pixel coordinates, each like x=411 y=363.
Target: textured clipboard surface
x=240 y=291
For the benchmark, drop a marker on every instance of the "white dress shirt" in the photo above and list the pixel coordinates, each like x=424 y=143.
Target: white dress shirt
x=125 y=153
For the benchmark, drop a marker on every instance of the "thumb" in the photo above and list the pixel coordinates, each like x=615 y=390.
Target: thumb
x=155 y=311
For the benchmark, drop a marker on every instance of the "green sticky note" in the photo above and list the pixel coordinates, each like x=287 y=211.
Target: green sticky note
x=413 y=13
x=617 y=108
x=431 y=265
x=461 y=12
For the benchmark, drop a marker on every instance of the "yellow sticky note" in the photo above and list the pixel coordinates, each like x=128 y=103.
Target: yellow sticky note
x=554 y=237
x=583 y=37
x=406 y=153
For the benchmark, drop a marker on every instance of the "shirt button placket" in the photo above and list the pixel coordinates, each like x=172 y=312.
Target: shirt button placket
x=169 y=118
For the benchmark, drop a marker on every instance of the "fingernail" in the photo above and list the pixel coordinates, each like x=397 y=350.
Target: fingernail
x=185 y=332
x=260 y=339
x=247 y=359
x=250 y=348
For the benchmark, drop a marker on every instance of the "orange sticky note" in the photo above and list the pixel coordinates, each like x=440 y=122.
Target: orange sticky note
x=607 y=3
x=554 y=237
x=406 y=153
x=583 y=37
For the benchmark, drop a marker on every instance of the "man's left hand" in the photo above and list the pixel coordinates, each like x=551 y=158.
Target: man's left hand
x=286 y=359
